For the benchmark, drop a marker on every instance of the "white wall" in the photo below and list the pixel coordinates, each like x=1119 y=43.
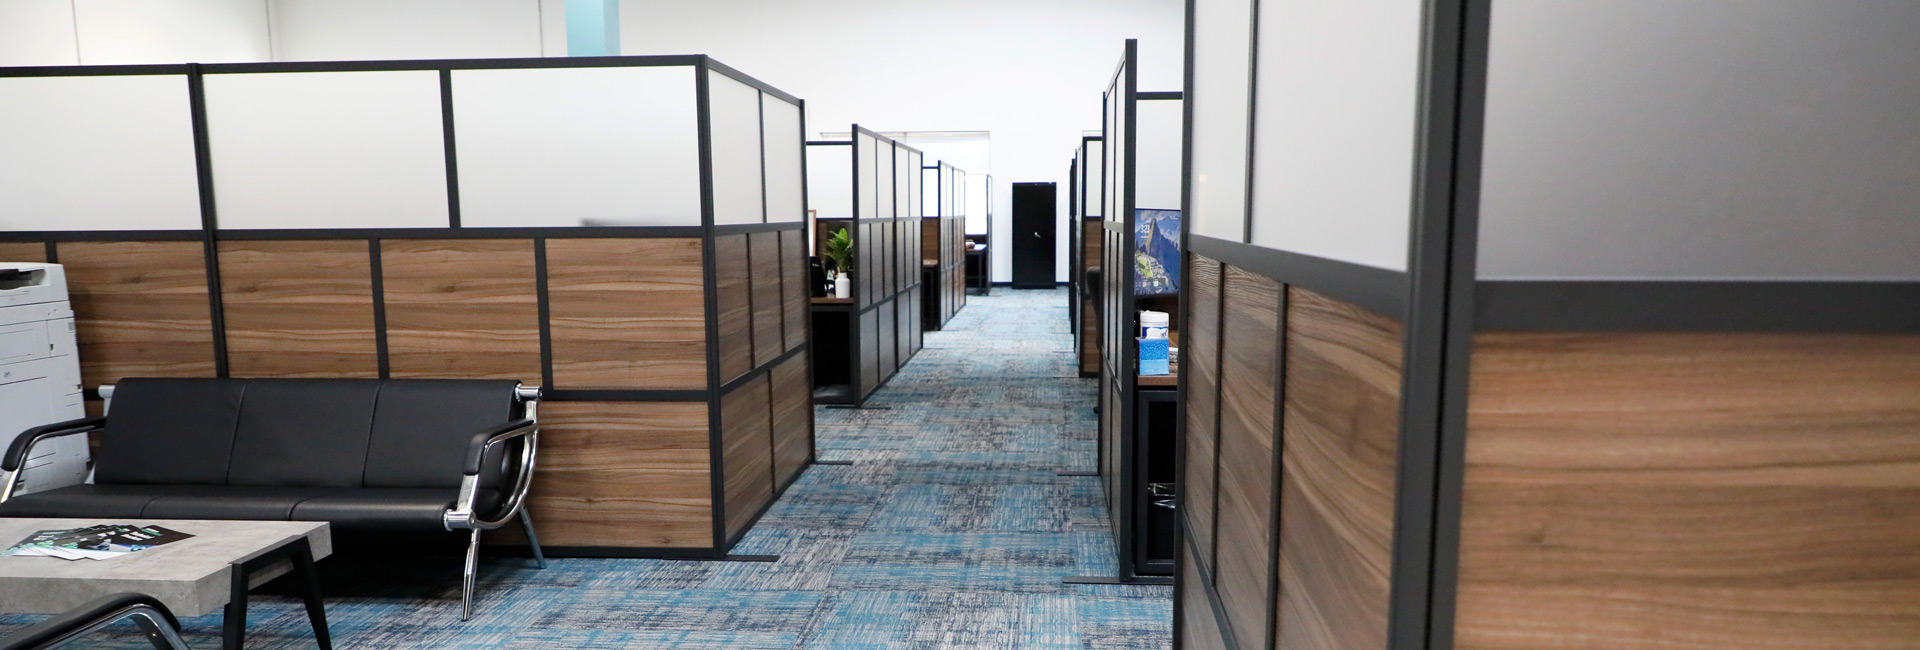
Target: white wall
x=1031 y=73
x=346 y=30
x=110 y=32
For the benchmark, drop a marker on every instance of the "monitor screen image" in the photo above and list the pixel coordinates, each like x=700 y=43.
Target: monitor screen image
x=1156 y=255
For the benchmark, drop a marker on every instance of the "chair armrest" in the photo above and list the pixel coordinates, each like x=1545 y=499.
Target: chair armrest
x=477 y=449
x=162 y=629
x=23 y=443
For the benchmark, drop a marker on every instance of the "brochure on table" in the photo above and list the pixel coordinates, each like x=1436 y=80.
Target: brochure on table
x=93 y=542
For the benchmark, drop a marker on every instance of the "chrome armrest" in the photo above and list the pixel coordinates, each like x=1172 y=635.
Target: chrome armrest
x=15 y=460
x=462 y=515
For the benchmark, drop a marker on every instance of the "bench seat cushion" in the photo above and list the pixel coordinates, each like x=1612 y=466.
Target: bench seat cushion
x=345 y=508
x=90 y=501
x=380 y=509
x=233 y=502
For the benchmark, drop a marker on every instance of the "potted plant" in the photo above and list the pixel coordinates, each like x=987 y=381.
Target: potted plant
x=840 y=252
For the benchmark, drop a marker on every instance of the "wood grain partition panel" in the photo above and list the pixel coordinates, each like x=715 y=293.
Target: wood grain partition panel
x=887 y=343
x=1199 y=630
x=930 y=239
x=795 y=292
x=1339 y=462
x=636 y=472
x=1691 y=491
x=734 y=287
x=627 y=314
x=299 y=308
x=140 y=309
x=746 y=440
x=792 y=418
x=869 y=357
x=466 y=308
x=1201 y=364
x=768 y=339
x=23 y=251
x=1248 y=365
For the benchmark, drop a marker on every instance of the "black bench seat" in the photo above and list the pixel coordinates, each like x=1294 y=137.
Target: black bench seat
x=371 y=455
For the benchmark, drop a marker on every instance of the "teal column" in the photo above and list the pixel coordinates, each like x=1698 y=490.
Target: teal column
x=593 y=27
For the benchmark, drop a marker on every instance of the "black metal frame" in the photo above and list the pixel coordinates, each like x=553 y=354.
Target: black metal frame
x=1119 y=364
x=210 y=234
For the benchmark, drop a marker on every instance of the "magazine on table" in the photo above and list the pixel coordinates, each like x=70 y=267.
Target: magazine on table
x=94 y=542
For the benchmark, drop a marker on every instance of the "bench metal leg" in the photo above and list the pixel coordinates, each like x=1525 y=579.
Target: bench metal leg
x=466 y=578
x=526 y=521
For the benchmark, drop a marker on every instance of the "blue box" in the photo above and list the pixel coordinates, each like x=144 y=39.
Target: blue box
x=1153 y=356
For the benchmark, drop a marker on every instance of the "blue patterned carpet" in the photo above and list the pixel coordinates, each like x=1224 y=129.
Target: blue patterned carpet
x=950 y=530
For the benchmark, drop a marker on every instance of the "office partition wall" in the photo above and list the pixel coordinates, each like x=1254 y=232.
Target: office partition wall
x=881 y=322
x=1551 y=326
x=1138 y=425
x=1088 y=234
x=623 y=232
x=943 y=248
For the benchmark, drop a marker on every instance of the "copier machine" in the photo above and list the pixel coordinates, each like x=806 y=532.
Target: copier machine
x=40 y=373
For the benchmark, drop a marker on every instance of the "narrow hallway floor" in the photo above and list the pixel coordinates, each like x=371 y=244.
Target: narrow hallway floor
x=950 y=530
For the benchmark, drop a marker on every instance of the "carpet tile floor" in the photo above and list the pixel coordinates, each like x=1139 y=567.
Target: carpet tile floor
x=950 y=530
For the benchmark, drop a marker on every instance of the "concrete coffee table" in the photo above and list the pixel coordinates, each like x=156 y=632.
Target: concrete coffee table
x=193 y=577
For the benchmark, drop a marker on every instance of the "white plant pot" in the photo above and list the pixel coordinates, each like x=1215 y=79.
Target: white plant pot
x=843 y=287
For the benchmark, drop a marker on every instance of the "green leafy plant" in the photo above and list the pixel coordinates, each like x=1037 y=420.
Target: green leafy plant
x=840 y=250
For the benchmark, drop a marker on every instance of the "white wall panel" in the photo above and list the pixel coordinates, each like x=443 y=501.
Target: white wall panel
x=1157 y=153
x=1221 y=91
x=558 y=146
x=785 y=202
x=328 y=150
x=37 y=32
x=883 y=182
x=97 y=153
x=863 y=165
x=1334 y=130
x=735 y=125
x=1747 y=140
x=1096 y=178
x=364 y=30
x=174 y=31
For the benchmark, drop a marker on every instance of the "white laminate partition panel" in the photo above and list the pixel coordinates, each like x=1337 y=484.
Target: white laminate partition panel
x=782 y=140
x=174 y=31
x=1222 y=56
x=915 y=205
x=1747 y=140
x=883 y=181
x=328 y=149
x=735 y=125
x=903 y=177
x=37 y=32
x=1117 y=112
x=556 y=147
x=863 y=185
x=1335 y=115
x=830 y=180
x=1096 y=178
x=930 y=195
x=97 y=153
x=1157 y=150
